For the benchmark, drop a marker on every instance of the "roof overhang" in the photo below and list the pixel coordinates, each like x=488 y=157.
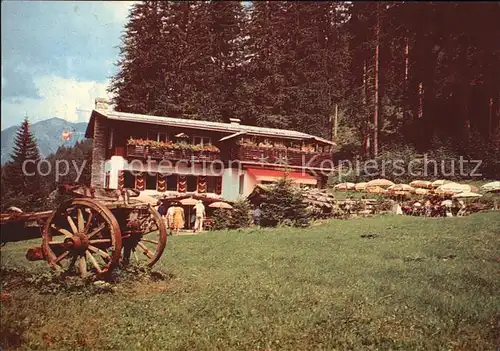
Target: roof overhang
x=325 y=141
x=232 y=136
x=273 y=175
x=233 y=129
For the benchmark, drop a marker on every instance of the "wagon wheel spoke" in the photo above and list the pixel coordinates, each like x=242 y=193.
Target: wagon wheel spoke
x=81 y=222
x=89 y=222
x=93 y=261
x=62 y=231
x=82 y=266
x=72 y=263
x=145 y=250
x=102 y=253
x=149 y=241
x=96 y=230
x=60 y=257
x=72 y=224
x=99 y=241
x=59 y=264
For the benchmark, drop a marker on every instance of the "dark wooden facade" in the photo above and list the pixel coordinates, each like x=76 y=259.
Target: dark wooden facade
x=276 y=152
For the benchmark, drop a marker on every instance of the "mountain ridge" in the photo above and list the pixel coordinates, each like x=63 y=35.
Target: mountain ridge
x=48 y=135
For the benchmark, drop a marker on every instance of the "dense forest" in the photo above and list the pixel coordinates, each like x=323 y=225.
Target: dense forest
x=421 y=74
x=383 y=80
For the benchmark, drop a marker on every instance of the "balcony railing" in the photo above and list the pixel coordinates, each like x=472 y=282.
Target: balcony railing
x=139 y=151
x=281 y=156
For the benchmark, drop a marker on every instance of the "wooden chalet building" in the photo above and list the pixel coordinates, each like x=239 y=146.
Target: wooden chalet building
x=179 y=156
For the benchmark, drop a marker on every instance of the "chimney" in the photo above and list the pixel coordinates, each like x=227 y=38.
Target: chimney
x=101 y=104
x=234 y=121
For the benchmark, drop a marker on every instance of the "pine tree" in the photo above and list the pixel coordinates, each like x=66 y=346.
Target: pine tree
x=24 y=186
x=284 y=205
x=138 y=84
x=214 y=59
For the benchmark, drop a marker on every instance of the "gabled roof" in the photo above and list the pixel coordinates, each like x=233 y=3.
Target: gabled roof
x=229 y=128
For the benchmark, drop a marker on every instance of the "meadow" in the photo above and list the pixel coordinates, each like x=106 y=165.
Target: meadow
x=386 y=282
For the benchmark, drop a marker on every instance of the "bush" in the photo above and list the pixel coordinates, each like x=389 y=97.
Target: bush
x=222 y=219
x=239 y=217
x=284 y=205
x=241 y=214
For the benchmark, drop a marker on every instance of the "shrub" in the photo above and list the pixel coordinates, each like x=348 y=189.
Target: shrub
x=241 y=214
x=239 y=217
x=284 y=205
x=222 y=219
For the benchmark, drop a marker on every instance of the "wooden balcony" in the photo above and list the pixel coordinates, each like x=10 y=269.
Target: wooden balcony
x=281 y=156
x=144 y=152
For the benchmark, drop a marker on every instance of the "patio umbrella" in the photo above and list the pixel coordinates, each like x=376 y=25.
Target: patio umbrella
x=491 y=186
x=421 y=191
x=401 y=187
x=188 y=201
x=421 y=184
x=220 y=204
x=450 y=188
x=375 y=190
x=360 y=186
x=345 y=186
x=383 y=183
x=447 y=203
x=438 y=183
x=466 y=195
x=470 y=188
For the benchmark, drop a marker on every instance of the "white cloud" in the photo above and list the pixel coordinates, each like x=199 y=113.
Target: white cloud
x=60 y=97
x=119 y=9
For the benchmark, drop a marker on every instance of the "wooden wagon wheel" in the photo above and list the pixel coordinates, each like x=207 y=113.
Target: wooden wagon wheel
x=145 y=237
x=83 y=233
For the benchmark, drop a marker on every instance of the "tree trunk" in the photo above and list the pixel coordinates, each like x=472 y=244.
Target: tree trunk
x=490 y=128
x=376 y=103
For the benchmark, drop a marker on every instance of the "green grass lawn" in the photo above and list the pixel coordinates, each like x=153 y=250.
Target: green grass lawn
x=421 y=284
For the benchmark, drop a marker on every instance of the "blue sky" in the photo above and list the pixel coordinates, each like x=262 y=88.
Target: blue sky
x=57 y=57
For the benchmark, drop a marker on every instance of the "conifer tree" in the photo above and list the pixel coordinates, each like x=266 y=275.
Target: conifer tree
x=24 y=186
x=284 y=205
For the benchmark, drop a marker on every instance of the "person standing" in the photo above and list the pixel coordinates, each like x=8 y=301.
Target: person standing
x=170 y=216
x=200 y=216
x=161 y=208
x=178 y=217
x=256 y=216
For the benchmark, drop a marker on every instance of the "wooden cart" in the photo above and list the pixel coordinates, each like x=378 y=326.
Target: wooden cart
x=92 y=232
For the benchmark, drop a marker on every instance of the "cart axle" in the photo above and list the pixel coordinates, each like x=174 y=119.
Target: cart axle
x=35 y=254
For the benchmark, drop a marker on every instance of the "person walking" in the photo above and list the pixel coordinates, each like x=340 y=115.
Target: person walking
x=200 y=216
x=170 y=216
x=178 y=217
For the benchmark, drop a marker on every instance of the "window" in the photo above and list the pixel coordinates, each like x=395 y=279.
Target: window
x=197 y=140
x=152 y=136
x=128 y=180
x=157 y=136
x=192 y=183
x=110 y=139
x=106 y=181
x=242 y=180
x=150 y=181
x=172 y=182
x=211 y=184
x=162 y=137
